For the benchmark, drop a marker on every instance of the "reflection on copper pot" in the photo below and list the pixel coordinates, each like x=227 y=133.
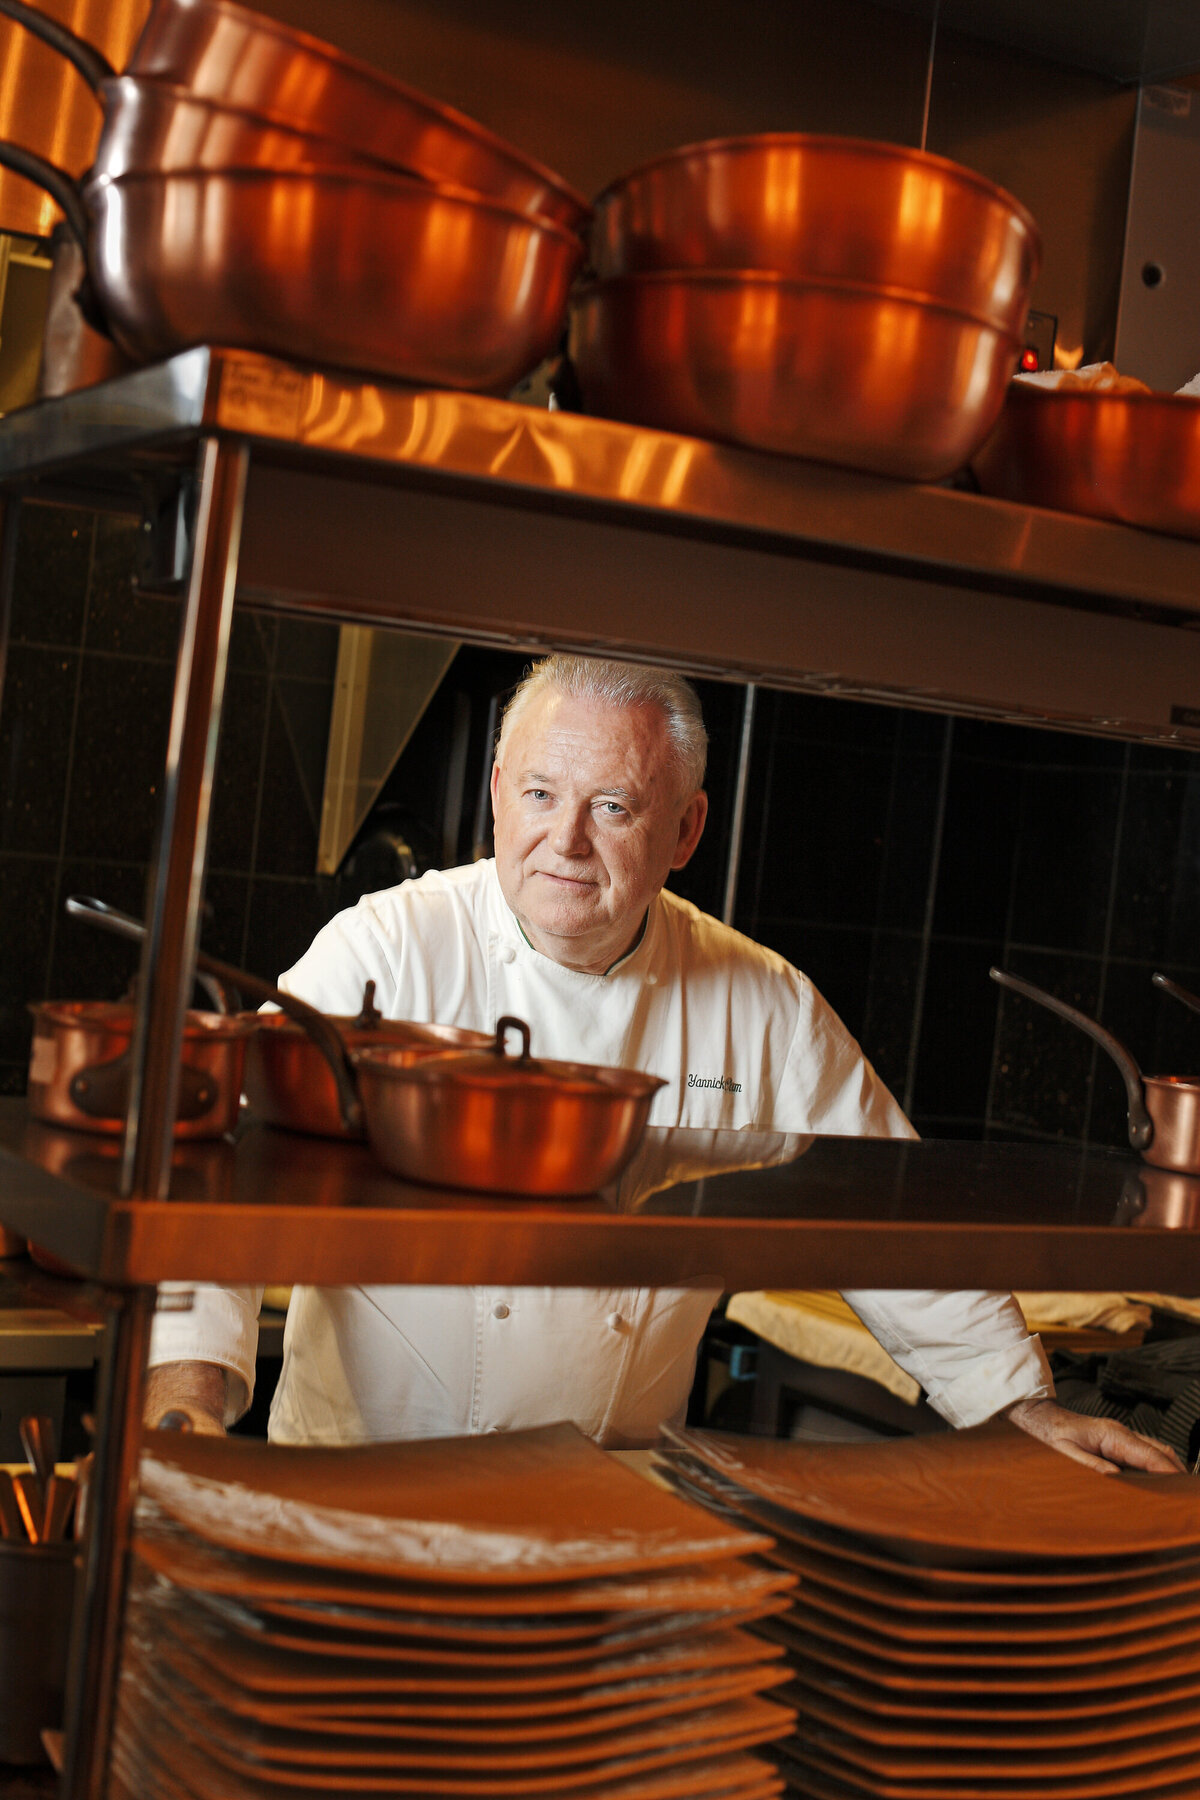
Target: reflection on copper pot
x=1163 y=1198
x=830 y=370
x=826 y=208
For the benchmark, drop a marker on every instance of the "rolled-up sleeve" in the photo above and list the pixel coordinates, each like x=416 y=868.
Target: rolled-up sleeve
x=971 y=1350
x=220 y=1326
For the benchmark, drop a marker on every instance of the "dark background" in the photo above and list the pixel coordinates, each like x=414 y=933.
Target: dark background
x=892 y=855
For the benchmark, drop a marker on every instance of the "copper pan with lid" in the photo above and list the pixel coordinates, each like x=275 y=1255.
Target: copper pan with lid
x=503 y=1124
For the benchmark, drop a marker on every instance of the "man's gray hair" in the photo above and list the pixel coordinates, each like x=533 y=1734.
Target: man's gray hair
x=622 y=684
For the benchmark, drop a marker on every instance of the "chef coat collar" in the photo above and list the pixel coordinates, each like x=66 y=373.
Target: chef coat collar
x=604 y=973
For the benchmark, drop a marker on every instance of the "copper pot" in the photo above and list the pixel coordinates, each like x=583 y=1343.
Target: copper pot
x=372 y=271
x=1132 y=457
x=1164 y=1110
x=829 y=209
x=79 y=1067
x=840 y=372
x=503 y=1124
x=230 y=54
x=234 y=58
x=288 y=1080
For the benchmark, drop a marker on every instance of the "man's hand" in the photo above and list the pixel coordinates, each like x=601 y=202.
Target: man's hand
x=1100 y=1444
x=187 y=1396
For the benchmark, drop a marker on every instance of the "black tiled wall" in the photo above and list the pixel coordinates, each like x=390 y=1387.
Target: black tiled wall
x=83 y=729
x=893 y=855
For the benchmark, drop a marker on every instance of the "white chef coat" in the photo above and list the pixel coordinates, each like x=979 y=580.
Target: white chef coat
x=743 y=1040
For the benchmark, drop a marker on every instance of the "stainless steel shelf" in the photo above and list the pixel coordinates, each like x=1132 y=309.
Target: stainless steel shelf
x=481 y=519
x=816 y=1212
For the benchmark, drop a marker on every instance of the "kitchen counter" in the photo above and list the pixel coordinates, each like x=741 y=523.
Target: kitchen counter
x=726 y=1209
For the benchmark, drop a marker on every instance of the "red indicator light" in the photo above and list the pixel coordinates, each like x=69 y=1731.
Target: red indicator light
x=1029 y=359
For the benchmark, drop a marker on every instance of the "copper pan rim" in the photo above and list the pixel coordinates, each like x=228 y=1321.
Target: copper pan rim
x=116 y=91
x=387 y=180
x=716 y=279
x=878 y=149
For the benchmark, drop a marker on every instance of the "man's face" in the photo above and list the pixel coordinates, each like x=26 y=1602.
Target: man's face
x=589 y=822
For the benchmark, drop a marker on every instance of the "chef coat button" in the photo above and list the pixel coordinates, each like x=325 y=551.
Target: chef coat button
x=499 y=1311
x=652 y=981
x=508 y=954
x=615 y=1322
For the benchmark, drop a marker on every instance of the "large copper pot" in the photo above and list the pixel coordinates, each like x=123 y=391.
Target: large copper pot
x=825 y=209
x=503 y=1124
x=832 y=370
x=239 y=58
x=371 y=271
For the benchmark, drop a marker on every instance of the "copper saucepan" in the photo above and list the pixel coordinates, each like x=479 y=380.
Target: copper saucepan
x=1164 y=1110
x=503 y=1124
x=242 y=59
x=299 y=1072
x=367 y=270
x=79 y=1067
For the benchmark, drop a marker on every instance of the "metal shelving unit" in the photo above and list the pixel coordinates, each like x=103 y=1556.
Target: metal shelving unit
x=485 y=520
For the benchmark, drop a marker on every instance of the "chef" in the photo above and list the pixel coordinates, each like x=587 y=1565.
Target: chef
x=597 y=792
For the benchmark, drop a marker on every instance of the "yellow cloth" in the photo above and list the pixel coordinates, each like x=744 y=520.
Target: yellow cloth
x=819 y=1327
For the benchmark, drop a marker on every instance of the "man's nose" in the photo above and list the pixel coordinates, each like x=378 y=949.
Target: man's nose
x=569 y=836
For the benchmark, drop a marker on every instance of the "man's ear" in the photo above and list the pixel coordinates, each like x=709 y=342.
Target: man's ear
x=495 y=785
x=691 y=829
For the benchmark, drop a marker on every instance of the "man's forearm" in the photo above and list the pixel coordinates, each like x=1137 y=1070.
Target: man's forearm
x=198 y=1392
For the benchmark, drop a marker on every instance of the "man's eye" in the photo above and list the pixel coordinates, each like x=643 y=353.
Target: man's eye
x=612 y=809
x=538 y=794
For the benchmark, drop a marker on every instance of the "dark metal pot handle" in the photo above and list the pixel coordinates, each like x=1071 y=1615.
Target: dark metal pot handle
x=1141 y=1126
x=1179 y=993
x=325 y=1036
x=503 y=1027
x=92 y=64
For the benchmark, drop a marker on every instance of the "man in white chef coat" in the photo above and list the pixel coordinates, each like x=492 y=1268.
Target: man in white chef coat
x=597 y=794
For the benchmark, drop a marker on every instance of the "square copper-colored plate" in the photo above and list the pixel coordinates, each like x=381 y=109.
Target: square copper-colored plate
x=991 y=1494
x=687 y=1588
x=841 y=1559
x=505 y=1508
x=258 y=1665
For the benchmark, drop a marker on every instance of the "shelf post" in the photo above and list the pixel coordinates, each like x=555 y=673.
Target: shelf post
x=177 y=876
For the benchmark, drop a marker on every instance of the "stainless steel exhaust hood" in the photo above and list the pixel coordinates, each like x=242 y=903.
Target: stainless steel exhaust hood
x=384 y=682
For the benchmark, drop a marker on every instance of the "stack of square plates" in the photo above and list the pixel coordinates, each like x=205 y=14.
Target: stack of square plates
x=978 y=1617
x=513 y=1614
